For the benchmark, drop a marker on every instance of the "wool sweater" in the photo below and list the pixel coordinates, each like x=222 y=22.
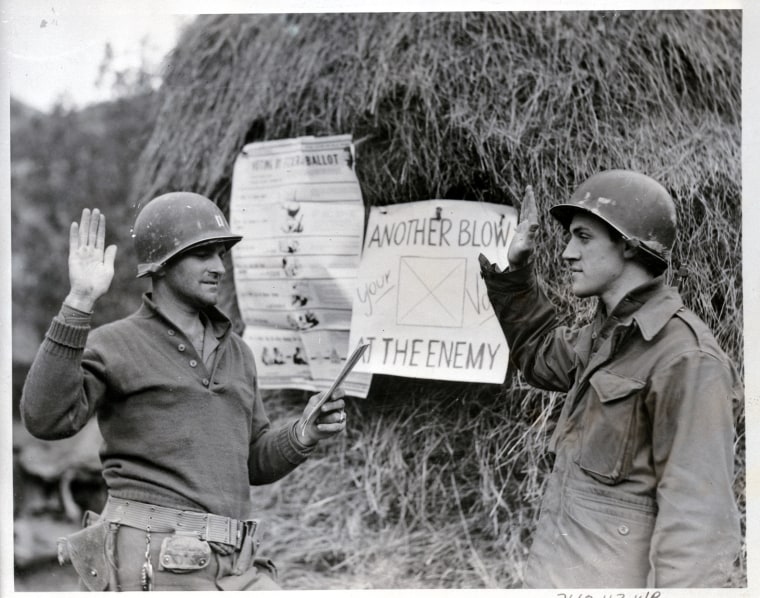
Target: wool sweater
x=176 y=432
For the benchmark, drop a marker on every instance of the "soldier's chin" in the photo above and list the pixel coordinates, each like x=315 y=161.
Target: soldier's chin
x=208 y=300
x=580 y=292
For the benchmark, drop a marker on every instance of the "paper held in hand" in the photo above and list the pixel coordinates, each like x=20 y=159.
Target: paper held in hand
x=347 y=367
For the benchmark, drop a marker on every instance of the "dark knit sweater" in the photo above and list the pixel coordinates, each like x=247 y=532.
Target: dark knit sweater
x=176 y=433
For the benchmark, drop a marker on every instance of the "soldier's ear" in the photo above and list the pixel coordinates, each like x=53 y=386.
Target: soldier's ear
x=630 y=248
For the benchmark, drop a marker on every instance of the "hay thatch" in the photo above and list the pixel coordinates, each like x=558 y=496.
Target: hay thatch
x=466 y=106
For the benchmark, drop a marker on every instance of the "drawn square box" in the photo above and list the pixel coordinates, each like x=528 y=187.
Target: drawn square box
x=431 y=291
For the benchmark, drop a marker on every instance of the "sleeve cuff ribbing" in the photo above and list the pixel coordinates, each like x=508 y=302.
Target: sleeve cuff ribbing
x=292 y=448
x=66 y=337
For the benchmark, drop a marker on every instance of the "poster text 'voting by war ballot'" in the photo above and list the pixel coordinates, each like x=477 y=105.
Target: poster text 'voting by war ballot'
x=419 y=301
x=298 y=204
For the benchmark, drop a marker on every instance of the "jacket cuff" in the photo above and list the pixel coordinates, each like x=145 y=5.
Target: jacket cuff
x=510 y=280
x=291 y=448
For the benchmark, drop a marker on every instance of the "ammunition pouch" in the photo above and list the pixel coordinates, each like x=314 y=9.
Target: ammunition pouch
x=183 y=553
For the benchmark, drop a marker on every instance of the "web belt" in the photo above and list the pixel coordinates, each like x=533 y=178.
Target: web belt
x=209 y=527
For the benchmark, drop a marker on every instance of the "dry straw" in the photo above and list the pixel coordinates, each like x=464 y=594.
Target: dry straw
x=438 y=484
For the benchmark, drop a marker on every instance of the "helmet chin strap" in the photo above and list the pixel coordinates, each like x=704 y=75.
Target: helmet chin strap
x=645 y=254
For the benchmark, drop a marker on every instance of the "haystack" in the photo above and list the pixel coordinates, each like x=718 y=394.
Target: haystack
x=437 y=484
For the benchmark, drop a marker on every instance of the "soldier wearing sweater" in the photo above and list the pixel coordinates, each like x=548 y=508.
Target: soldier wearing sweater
x=175 y=393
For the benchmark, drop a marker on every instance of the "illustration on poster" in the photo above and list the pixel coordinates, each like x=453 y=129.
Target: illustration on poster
x=299 y=300
x=290 y=267
x=275 y=358
x=288 y=245
x=298 y=357
x=294 y=219
x=303 y=321
x=434 y=232
x=432 y=353
x=300 y=294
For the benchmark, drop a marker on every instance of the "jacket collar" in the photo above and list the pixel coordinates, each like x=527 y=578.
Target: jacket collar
x=651 y=305
x=220 y=323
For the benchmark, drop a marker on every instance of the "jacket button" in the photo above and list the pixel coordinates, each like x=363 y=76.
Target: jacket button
x=180 y=347
x=623 y=530
x=205 y=381
x=193 y=363
x=170 y=332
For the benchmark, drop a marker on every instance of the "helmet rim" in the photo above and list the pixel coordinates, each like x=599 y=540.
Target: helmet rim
x=636 y=206
x=147 y=268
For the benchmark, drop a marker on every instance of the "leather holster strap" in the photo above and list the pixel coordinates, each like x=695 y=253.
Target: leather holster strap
x=209 y=527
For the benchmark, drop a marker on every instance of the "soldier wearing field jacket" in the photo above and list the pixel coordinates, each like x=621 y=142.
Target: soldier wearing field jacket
x=640 y=494
x=175 y=393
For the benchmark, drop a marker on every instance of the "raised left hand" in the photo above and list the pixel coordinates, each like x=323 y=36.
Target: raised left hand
x=330 y=420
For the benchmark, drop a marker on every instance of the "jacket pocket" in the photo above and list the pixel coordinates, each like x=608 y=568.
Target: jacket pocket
x=609 y=426
x=605 y=540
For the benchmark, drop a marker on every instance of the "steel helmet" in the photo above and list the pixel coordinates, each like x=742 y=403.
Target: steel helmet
x=633 y=204
x=173 y=223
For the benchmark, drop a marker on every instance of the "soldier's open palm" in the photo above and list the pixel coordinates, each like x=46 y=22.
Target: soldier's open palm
x=91 y=263
x=524 y=242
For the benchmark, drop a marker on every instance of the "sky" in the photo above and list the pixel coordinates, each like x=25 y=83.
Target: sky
x=55 y=53
x=53 y=47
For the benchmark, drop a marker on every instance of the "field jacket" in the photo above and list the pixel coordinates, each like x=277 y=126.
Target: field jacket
x=641 y=492
x=177 y=433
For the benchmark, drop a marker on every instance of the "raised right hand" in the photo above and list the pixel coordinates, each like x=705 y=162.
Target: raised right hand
x=90 y=262
x=524 y=242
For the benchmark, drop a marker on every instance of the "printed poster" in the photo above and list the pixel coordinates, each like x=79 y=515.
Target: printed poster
x=298 y=204
x=419 y=300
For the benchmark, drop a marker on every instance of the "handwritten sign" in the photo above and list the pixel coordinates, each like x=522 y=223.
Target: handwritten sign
x=419 y=300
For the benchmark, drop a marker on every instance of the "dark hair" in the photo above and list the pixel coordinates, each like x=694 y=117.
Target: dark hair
x=654 y=266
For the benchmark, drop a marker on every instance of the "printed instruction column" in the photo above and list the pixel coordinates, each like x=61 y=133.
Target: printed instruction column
x=297 y=203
